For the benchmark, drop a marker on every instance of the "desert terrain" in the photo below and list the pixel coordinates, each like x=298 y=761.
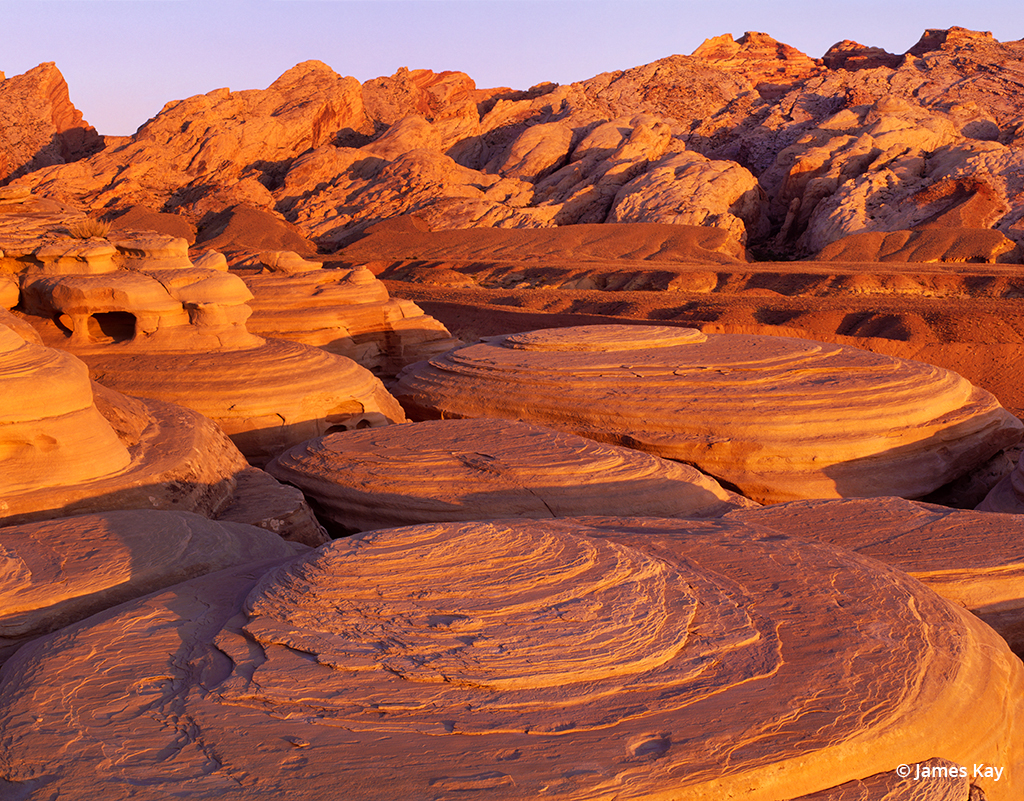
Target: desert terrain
x=651 y=436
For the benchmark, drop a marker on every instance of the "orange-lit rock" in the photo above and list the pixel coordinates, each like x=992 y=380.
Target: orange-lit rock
x=71 y=446
x=578 y=658
x=60 y=571
x=973 y=559
x=218 y=142
x=266 y=398
x=151 y=324
x=66 y=451
x=452 y=470
x=939 y=244
x=40 y=126
x=778 y=418
x=347 y=312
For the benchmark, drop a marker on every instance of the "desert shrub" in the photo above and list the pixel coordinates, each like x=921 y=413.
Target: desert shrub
x=87 y=229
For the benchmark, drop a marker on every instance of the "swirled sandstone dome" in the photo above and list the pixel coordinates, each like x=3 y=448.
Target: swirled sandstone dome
x=778 y=418
x=449 y=470
x=70 y=446
x=573 y=658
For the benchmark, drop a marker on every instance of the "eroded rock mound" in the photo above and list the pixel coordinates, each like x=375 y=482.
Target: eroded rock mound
x=927 y=245
x=681 y=658
x=778 y=418
x=70 y=446
x=223 y=144
x=346 y=312
x=411 y=239
x=150 y=323
x=452 y=470
x=60 y=571
x=786 y=152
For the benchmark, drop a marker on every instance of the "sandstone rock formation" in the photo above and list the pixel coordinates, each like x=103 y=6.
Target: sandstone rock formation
x=40 y=126
x=60 y=571
x=778 y=418
x=939 y=244
x=346 y=312
x=266 y=398
x=973 y=559
x=452 y=470
x=672 y=658
x=410 y=239
x=785 y=152
x=142 y=316
x=223 y=143
x=70 y=446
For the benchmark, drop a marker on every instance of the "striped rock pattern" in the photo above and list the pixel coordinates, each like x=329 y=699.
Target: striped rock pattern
x=778 y=418
x=347 y=312
x=56 y=572
x=575 y=658
x=451 y=470
x=69 y=446
x=266 y=398
x=974 y=559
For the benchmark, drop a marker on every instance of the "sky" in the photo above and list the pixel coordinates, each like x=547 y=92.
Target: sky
x=124 y=59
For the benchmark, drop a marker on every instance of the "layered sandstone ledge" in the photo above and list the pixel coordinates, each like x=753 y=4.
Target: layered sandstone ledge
x=452 y=470
x=60 y=571
x=681 y=658
x=70 y=446
x=346 y=312
x=151 y=324
x=266 y=398
x=778 y=418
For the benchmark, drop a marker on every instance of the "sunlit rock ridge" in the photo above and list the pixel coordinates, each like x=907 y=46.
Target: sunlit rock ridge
x=786 y=153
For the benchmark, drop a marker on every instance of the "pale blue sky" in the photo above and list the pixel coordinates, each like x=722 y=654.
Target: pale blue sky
x=123 y=59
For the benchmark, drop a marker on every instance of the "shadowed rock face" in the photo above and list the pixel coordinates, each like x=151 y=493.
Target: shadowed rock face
x=682 y=658
x=450 y=470
x=60 y=571
x=778 y=418
x=1008 y=495
x=39 y=126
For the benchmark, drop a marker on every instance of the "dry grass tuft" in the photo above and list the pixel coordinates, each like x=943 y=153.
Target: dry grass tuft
x=88 y=229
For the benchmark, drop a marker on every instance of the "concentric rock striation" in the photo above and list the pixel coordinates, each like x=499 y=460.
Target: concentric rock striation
x=778 y=418
x=266 y=398
x=452 y=470
x=578 y=658
x=70 y=446
x=59 y=571
x=346 y=312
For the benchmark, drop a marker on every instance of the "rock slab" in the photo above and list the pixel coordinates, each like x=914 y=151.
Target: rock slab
x=577 y=658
